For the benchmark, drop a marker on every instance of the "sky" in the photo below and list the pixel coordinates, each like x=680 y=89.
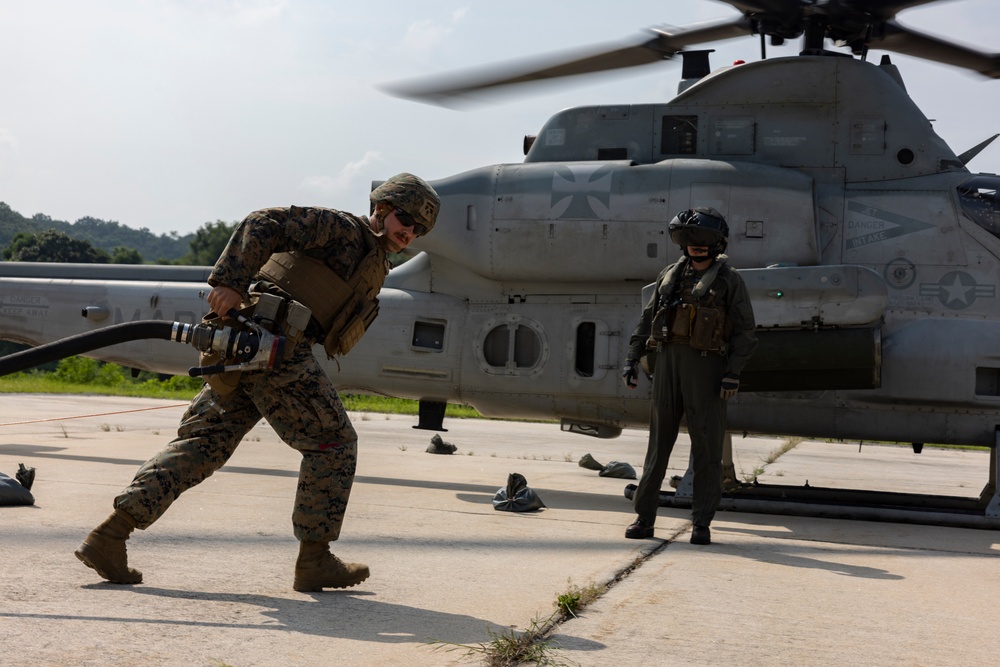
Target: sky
x=167 y=114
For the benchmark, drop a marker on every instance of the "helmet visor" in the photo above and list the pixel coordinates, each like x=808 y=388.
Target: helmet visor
x=695 y=236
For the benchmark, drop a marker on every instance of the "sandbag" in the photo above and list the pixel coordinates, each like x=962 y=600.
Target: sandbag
x=12 y=493
x=614 y=469
x=619 y=469
x=517 y=497
x=439 y=446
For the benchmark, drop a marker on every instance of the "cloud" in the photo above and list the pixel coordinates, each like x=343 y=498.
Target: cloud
x=9 y=144
x=422 y=36
x=345 y=182
x=255 y=12
x=10 y=149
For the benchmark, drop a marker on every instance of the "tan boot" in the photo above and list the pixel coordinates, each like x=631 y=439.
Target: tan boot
x=104 y=549
x=316 y=569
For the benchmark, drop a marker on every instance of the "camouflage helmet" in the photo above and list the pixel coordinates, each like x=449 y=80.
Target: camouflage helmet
x=701 y=226
x=412 y=194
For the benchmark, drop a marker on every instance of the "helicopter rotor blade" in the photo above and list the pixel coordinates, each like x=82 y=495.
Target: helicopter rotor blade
x=859 y=24
x=909 y=42
x=774 y=9
x=889 y=8
x=450 y=89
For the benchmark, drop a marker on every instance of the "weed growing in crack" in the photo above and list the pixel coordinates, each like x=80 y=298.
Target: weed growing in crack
x=510 y=648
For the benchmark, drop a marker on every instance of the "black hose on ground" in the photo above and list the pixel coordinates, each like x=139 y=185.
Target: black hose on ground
x=92 y=340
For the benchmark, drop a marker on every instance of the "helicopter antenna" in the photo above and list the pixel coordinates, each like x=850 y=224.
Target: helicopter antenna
x=965 y=157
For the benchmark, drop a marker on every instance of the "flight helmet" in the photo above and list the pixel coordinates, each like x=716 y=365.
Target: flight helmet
x=411 y=195
x=701 y=226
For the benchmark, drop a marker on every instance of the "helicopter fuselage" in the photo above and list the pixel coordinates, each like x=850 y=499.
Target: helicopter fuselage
x=870 y=251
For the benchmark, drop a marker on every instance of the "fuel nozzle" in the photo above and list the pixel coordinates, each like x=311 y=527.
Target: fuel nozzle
x=249 y=345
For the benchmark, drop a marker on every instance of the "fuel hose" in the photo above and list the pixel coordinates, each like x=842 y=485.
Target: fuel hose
x=93 y=340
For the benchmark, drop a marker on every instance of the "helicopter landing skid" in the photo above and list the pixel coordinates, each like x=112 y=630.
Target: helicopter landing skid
x=858 y=504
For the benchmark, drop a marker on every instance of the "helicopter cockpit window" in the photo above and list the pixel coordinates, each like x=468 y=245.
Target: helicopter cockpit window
x=980 y=202
x=680 y=135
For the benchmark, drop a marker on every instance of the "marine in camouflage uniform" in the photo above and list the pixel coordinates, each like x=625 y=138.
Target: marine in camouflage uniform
x=297 y=399
x=696 y=369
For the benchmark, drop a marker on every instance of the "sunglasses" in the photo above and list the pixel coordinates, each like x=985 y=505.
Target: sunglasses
x=407 y=220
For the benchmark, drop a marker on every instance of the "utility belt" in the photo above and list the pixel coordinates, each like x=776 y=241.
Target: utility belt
x=700 y=326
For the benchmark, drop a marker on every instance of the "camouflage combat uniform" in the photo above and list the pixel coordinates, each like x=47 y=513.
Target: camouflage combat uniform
x=686 y=384
x=297 y=400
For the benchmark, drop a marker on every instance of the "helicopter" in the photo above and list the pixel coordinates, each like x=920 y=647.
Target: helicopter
x=870 y=251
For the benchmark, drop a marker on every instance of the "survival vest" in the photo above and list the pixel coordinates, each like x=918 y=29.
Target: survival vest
x=691 y=311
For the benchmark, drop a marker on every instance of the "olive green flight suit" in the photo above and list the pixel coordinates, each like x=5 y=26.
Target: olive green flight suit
x=686 y=383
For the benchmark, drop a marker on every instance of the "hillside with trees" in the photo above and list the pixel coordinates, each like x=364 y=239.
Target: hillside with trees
x=53 y=246
x=90 y=240
x=102 y=234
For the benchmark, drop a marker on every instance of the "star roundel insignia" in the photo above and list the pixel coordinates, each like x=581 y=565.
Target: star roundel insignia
x=957 y=290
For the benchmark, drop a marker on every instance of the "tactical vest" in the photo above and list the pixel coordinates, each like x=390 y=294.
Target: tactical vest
x=690 y=311
x=343 y=308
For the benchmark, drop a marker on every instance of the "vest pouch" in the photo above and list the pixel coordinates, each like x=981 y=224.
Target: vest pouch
x=659 y=330
x=684 y=315
x=347 y=329
x=706 y=330
x=348 y=338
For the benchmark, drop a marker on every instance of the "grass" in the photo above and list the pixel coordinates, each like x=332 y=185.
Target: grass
x=778 y=452
x=576 y=598
x=181 y=389
x=775 y=454
x=510 y=647
x=533 y=646
x=401 y=406
x=47 y=383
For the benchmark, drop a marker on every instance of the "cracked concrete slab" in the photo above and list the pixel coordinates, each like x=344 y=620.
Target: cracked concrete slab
x=446 y=567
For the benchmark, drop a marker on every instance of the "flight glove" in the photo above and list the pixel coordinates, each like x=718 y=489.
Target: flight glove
x=630 y=373
x=730 y=385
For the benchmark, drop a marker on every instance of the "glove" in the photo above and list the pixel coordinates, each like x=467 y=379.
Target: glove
x=730 y=385
x=630 y=374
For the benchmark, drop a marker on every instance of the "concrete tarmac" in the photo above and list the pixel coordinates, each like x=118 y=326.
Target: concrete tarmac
x=450 y=573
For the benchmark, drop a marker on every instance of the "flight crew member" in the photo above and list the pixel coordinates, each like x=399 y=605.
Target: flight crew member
x=316 y=256
x=698 y=330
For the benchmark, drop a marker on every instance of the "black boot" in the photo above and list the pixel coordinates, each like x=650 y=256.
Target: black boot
x=640 y=529
x=701 y=535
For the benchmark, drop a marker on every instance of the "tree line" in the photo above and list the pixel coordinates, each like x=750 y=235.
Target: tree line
x=93 y=241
